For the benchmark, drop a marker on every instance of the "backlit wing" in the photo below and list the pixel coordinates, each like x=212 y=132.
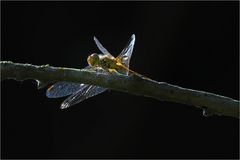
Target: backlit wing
x=62 y=89
x=126 y=53
x=87 y=92
x=101 y=48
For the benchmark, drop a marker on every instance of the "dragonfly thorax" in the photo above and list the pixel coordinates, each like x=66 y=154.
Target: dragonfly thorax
x=103 y=61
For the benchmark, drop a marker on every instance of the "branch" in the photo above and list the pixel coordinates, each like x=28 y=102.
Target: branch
x=45 y=74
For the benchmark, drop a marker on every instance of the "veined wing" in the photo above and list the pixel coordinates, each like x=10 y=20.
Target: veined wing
x=126 y=53
x=62 y=89
x=87 y=92
x=101 y=48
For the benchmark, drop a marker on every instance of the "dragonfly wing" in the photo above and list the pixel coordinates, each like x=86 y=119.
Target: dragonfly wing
x=101 y=48
x=81 y=95
x=126 y=53
x=62 y=89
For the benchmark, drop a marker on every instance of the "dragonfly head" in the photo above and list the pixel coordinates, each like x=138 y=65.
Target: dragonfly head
x=93 y=59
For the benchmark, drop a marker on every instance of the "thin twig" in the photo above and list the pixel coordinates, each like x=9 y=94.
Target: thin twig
x=45 y=74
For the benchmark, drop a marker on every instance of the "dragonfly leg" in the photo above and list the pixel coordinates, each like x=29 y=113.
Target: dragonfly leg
x=113 y=71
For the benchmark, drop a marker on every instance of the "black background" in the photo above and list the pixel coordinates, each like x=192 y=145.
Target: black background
x=190 y=44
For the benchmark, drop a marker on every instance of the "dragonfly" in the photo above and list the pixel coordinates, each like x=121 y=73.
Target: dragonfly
x=104 y=62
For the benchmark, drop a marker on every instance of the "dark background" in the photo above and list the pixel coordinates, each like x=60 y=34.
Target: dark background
x=190 y=44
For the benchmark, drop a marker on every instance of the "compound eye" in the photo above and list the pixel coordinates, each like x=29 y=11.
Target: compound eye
x=93 y=59
x=95 y=56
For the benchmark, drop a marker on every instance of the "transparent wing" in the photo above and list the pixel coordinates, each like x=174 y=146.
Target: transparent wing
x=126 y=53
x=87 y=92
x=101 y=48
x=62 y=89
